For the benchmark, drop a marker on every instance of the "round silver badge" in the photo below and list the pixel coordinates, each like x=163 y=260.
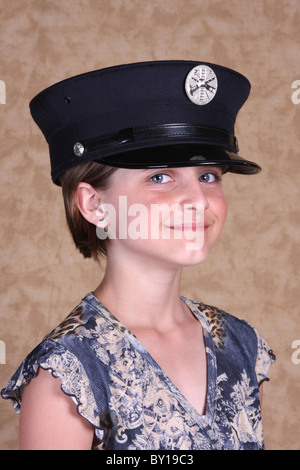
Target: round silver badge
x=201 y=84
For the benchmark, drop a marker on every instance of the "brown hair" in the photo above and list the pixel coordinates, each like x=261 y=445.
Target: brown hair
x=83 y=232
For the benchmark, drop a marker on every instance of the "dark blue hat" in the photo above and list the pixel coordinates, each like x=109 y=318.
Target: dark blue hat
x=145 y=115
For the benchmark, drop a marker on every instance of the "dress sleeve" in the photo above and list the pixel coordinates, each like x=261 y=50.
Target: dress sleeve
x=62 y=364
x=264 y=360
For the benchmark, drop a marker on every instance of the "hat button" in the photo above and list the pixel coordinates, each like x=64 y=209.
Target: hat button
x=78 y=149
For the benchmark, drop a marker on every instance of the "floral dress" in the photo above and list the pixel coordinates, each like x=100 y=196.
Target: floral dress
x=132 y=404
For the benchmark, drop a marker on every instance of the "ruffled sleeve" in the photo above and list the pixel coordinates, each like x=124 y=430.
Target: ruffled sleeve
x=62 y=364
x=264 y=360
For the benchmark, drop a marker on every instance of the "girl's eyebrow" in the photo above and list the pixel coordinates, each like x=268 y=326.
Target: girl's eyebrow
x=152 y=170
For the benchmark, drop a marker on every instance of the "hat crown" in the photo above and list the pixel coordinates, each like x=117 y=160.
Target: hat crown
x=143 y=95
x=144 y=86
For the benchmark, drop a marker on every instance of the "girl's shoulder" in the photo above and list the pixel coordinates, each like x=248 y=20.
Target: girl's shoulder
x=236 y=338
x=221 y=324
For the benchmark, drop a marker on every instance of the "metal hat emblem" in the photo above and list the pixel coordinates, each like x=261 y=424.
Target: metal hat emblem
x=201 y=85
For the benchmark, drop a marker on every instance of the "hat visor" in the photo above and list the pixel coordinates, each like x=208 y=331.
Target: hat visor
x=182 y=156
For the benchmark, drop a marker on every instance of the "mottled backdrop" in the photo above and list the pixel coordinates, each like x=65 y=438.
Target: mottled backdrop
x=253 y=272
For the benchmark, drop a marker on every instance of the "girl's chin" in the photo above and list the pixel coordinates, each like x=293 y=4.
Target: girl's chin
x=163 y=252
x=180 y=257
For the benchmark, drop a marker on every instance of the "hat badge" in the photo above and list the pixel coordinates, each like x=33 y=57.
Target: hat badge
x=201 y=85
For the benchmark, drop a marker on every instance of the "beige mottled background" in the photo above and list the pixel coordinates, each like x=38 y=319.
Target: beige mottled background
x=253 y=272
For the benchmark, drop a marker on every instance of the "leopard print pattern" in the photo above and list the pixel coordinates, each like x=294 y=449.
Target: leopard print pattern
x=72 y=321
x=217 y=323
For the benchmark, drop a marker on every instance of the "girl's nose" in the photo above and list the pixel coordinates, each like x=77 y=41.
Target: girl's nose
x=195 y=194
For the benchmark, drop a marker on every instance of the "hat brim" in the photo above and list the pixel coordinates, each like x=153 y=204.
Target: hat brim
x=181 y=156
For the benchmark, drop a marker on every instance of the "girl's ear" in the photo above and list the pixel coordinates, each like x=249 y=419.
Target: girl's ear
x=88 y=201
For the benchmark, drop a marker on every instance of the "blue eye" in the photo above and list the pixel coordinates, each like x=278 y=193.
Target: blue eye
x=160 y=178
x=209 y=178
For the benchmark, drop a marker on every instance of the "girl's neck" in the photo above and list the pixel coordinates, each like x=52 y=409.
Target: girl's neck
x=145 y=295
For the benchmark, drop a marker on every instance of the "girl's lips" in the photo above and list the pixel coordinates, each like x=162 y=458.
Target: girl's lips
x=191 y=227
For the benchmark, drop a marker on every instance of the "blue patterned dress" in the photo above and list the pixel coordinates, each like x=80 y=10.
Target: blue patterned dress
x=132 y=404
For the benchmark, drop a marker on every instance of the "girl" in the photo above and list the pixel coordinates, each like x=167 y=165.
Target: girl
x=140 y=151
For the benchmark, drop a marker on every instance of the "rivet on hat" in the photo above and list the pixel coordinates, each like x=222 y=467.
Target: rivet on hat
x=78 y=149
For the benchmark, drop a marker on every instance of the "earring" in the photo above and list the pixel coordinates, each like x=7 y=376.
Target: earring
x=102 y=222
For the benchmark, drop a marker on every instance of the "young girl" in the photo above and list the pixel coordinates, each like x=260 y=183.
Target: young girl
x=140 y=151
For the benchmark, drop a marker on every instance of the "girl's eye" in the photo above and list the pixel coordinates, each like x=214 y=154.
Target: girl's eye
x=160 y=178
x=209 y=178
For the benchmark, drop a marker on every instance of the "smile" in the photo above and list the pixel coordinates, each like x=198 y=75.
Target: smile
x=191 y=227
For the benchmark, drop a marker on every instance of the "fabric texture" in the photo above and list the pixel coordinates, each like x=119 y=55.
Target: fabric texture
x=132 y=404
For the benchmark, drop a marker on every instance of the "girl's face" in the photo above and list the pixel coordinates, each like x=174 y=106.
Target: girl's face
x=172 y=215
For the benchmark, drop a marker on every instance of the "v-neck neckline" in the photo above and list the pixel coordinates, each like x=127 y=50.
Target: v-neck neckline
x=211 y=389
